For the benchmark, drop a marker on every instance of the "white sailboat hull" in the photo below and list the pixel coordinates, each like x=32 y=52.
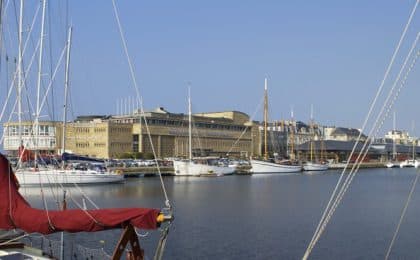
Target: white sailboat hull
x=188 y=168
x=269 y=167
x=410 y=163
x=311 y=166
x=52 y=177
x=392 y=164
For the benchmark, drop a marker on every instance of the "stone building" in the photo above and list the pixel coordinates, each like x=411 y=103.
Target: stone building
x=213 y=134
x=47 y=139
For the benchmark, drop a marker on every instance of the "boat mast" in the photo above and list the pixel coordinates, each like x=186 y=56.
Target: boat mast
x=189 y=125
x=312 y=133
x=292 y=137
x=38 y=88
x=413 y=141
x=66 y=87
x=19 y=87
x=394 y=147
x=265 y=119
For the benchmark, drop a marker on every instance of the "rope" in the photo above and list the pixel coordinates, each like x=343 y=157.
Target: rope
x=139 y=98
x=360 y=158
x=162 y=243
x=362 y=155
x=413 y=186
x=329 y=210
x=246 y=128
x=14 y=239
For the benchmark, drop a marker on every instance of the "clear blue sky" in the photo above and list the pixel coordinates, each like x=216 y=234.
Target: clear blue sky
x=331 y=54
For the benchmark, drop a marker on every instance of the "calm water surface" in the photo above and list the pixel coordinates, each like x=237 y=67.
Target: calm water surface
x=267 y=216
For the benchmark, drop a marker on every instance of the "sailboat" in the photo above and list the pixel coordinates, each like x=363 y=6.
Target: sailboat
x=51 y=175
x=17 y=214
x=393 y=163
x=199 y=166
x=313 y=165
x=266 y=166
x=413 y=162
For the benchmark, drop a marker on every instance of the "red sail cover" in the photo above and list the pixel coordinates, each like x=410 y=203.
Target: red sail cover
x=15 y=212
x=25 y=154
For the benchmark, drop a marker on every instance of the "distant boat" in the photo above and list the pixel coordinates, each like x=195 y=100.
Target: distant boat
x=393 y=163
x=260 y=166
x=314 y=165
x=199 y=166
x=82 y=172
x=57 y=176
x=265 y=166
x=410 y=163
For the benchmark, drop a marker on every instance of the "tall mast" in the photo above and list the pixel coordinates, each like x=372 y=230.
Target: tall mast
x=66 y=87
x=292 y=137
x=394 y=147
x=312 y=132
x=413 y=140
x=189 y=124
x=265 y=119
x=19 y=87
x=38 y=88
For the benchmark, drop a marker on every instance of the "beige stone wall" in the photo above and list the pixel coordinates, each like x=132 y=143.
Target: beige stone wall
x=120 y=139
x=99 y=139
x=237 y=117
x=218 y=134
x=90 y=139
x=173 y=141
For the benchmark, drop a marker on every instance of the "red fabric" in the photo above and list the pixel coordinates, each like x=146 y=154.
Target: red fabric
x=25 y=154
x=17 y=213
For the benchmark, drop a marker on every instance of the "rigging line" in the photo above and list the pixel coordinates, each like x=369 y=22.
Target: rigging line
x=86 y=196
x=358 y=161
x=60 y=185
x=365 y=150
x=30 y=65
x=14 y=239
x=45 y=203
x=23 y=53
x=389 y=107
x=25 y=73
x=352 y=169
x=139 y=98
x=52 y=109
x=387 y=113
x=313 y=240
x=413 y=186
x=246 y=128
x=53 y=77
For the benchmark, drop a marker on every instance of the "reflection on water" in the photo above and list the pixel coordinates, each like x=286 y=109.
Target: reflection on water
x=265 y=216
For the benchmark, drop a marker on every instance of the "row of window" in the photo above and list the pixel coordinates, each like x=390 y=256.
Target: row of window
x=13 y=143
x=120 y=130
x=99 y=130
x=27 y=130
x=167 y=122
x=82 y=130
x=120 y=145
x=82 y=145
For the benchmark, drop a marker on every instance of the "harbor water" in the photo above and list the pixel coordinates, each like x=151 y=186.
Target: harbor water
x=263 y=216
